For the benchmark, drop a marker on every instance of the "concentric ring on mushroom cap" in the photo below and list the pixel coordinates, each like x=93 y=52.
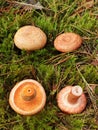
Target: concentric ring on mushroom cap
x=65 y=106
x=30 y=38
x=67 y=42
x=27 y=107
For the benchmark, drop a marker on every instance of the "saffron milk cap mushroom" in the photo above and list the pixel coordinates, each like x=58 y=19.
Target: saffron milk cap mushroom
x=71 y=99
x=30 y=38
x=67 y=42
x=27 y=97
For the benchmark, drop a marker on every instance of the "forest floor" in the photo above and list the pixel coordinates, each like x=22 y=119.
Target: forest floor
x=53 y=69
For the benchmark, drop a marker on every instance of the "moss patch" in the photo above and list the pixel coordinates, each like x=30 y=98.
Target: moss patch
x=54 y=70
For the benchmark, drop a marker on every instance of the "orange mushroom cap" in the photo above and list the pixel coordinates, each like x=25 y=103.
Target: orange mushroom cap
x=27 y=97
x=30 y=38
x=71 y=99
x=67 y=42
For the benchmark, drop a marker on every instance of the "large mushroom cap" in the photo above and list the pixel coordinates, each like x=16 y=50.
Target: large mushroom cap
x=30 y=38
x=67 y=42
x=71 y=100
x=27 y=97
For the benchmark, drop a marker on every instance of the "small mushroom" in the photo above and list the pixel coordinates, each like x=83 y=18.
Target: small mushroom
x=71 y=99
x=30 y=38
x=27 y=97
x=67 y=42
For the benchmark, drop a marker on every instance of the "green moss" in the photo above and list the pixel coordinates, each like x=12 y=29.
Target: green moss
x=54 y=70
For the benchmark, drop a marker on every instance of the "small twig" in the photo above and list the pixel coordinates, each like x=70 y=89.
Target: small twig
x=84 y=6
x=58 y=59
x=90 y=38
x=93 y=86
x=35 y=6
x=28 y=5
x=61 y=61
x=89 y=90
x=85 y=30
x=83 y=52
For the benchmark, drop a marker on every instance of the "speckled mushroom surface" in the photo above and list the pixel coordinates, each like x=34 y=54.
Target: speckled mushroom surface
x=67 y=42
x=71 y=100
x=27 y=97
x=30 y=38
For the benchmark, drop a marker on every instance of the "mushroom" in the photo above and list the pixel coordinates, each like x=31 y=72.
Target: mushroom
x=30 y=38
x=71 y=99
x=67 y=42
x=27 y=97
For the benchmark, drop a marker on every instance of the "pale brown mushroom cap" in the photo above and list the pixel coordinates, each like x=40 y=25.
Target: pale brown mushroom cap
x=68 y=107
x=67 y=42
x=30 y=38
x=23 y=98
